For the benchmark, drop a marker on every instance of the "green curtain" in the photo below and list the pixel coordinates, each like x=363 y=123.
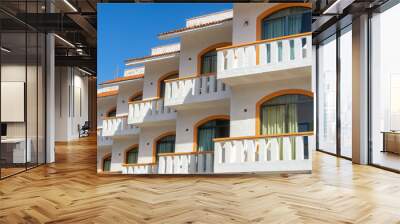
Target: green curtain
x=205 y=139
x=209 y=62
x=279 y=116
x=165 y=145
x=107 y=164
x=132 y=156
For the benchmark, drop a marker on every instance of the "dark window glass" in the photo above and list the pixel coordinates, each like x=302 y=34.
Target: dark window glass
x=209 y=62
x=165 y=145
x=112 y=113
x=286 y=22
x=106 y=164
x=132 y=156
x=287 y=114
x=210 y=130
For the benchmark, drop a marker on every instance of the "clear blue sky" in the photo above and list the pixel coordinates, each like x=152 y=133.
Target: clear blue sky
x=130 y=30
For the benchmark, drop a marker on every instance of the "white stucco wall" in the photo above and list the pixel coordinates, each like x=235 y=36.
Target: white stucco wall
x=153 y=71
x=146 y=139
x=185 y=125
x=246 y=96
x=118 y=151
x=192 y=44
x=127 y=90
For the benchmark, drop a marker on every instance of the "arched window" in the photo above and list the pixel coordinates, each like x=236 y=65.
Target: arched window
x=287 y=113
x=112 y=112
x=107 y=163
x=286 y=22
x=206 y=132
x=209 y=62
x=136 y=97
x=161 y=83
x=132 y=155
x=165 y=144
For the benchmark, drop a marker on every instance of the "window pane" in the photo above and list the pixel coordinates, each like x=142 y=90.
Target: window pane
x=327 y=95
x=346 y=92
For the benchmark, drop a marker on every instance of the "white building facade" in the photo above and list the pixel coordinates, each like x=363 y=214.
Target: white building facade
x=235 y=95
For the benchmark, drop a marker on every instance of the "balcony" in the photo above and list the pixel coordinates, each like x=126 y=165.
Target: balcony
x=266 y=153
x=103 y=140
x=266 y=60
x=139 y=168
x=150 y=111
x=175 y=163
x=119 y=127
x=186 y=163
x=182 y=92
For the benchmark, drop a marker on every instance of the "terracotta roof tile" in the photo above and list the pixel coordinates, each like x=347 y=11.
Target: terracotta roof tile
x=108 y=93
x=194 y=27
x=125 y=78
x=150 y=56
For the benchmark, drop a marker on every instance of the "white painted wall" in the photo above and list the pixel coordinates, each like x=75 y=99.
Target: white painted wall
x=186 y=120
x=127 y=90
x=247 y=12
x=154 y=70
x=118 y=152
x=192 y=44
x=100 y=155
x=246 y=96
x=146 y=139
x=69 y=112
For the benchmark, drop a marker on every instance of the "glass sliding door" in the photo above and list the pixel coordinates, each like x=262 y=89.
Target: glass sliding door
x=327 y=95
x=385 y=90
x=346 y=92
x=22 y=92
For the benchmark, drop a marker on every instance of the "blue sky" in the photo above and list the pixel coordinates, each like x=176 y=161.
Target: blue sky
x=130 y=30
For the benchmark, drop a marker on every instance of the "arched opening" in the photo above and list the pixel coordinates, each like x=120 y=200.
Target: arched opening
x=208 y=129
x=132 y=155
x=278 y=21
x=136 y=97
x=164 y=144
x=161 y=82
x=107 y=163
x=207 y=59
x=289 y=111
x=112 y=112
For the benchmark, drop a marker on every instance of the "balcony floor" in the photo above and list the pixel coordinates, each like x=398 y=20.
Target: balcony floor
x=71 y=191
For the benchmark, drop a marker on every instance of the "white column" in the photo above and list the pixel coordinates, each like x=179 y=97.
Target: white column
x=360 y=90
x=50 y=100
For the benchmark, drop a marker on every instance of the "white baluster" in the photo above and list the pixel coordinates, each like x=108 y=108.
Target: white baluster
x=217 y=152
x=299 y=148
x=170 y=167
x=192 y=163
x=251 y=150
x=287 y=149
x=177 y=165
x=229 y=152
x=262 y=54
x=229 y=57
x=262 y=149
x=209 y=162
x=212 y=84
x=241 y=57
x=274 y=149
x=200 y=163
x=161 y=165
x=239 y=155
x=220 y=61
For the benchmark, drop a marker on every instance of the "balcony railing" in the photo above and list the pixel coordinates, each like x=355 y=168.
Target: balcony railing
x=103 y=140
x=265 y=56
x=194 y=89
x=118 y=126
x=139 y=168
x=150 y=110
x=265 y=153
x=186 y=163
